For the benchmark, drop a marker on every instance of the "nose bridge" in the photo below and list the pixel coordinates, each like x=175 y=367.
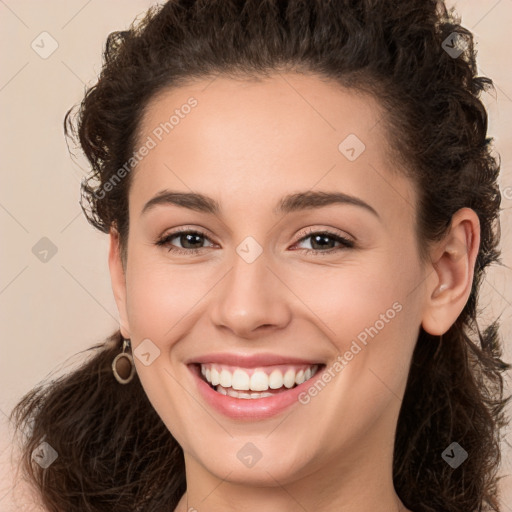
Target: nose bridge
x=250 y=295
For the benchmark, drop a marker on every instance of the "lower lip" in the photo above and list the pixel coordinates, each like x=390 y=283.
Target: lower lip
x=250 y=408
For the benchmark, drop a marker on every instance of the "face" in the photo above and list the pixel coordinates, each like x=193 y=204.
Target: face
x=265 y=292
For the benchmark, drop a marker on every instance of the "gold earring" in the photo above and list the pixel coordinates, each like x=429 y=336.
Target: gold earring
x=123 y=366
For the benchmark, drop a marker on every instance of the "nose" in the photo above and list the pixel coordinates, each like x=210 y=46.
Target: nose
x=251 y=299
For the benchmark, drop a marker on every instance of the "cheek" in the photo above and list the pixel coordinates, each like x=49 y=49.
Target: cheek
x=354 y=296
x=159 y=298
x=159 y=294
x=369 y=311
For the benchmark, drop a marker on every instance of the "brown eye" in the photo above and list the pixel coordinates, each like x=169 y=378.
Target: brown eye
x=320 y=243
x=189 y=239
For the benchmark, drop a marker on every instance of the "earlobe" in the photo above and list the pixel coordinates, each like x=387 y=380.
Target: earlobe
x=452 y=269
x=118 y=281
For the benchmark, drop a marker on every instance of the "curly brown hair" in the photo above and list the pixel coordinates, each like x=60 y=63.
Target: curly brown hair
x=112 y=446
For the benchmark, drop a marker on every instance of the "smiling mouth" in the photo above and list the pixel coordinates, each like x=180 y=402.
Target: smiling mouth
x=254 y=383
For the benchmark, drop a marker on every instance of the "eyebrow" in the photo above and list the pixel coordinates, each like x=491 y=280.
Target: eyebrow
x=290 y=203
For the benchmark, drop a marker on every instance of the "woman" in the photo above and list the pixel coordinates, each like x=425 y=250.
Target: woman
x=301 y=203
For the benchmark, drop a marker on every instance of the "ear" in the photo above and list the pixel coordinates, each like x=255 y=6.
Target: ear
x=117 y=278
x=451 y=275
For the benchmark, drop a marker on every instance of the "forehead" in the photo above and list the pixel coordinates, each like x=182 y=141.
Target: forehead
x=241 y=140
x=254 y=112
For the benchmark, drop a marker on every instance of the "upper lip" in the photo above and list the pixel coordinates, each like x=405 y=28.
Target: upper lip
x=250 y=361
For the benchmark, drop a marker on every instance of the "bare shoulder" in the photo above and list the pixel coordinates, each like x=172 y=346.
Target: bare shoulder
x=16 y=494
x=21 y=498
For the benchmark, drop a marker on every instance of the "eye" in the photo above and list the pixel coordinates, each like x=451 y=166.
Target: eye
x=321 y=239
x=189 y=237
x=186 y=236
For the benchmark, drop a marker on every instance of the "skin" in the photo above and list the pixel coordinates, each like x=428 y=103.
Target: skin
x=246 y=145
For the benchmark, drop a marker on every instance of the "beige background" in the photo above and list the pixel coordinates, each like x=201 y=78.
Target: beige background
x=52 y=310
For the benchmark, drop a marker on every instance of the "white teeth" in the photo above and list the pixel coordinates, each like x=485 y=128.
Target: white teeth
x=214 y=377
x=289 y=378
x=225 y=379
x=275 y=380
x=241 y=394
x=239 y=380
x=259 y=381
x=231 y=392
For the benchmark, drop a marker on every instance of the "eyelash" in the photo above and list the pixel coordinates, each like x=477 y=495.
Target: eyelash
x=346 y=243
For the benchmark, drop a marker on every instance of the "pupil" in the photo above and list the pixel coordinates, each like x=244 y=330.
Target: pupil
x=320 y=237
x=188 y=238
